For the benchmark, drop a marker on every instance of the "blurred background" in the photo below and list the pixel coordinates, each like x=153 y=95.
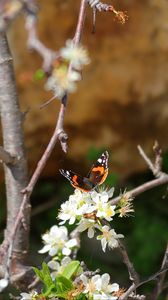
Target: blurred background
x=121 y=102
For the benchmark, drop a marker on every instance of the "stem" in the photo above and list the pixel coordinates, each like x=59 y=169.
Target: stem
x=131 y=270
x=143 y=188
x=158 y=289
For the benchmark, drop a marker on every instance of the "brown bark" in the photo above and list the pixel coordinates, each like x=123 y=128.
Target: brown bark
x=15 y=174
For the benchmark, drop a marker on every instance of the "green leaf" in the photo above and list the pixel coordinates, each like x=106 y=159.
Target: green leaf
x=71 y=269
x=46 y=275
x=39 y=273
x=81 y=297
x=49 y=290
x=39 y=74
x=61 y=295
x=63 y=283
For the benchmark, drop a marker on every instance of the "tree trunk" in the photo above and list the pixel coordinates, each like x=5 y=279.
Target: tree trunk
x=15 y=174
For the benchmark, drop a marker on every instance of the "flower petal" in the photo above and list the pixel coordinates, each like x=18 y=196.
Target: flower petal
x=45 y=249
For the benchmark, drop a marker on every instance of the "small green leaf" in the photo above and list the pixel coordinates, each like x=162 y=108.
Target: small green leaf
x=39 y=74
x=46 y=275
x=71 y=269
x=61 y=295
x=81 y=297
x=64 y=283
x=39 y=273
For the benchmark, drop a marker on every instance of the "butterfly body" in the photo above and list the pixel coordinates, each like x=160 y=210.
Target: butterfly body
x=95 y=177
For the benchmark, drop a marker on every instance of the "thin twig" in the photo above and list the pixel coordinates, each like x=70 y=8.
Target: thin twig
x=143 y=188
x=35 y=44
x=133 y=287
x=146 y=159
x=159 y=285
x=158 y=157
x=128 y=292
x=42 y=162
x=162 y=177
x=131 y=270
x=156 y=167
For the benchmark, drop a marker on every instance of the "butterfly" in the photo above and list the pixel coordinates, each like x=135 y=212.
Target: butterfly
x=95 y=177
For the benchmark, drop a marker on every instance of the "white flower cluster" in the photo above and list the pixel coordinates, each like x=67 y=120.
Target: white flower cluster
x=29 y=296
x=56 y=241
x=3 y=284
x=89 y=209
x=63 y=79
x=81 y=204
x=59 y=247
x=99 y=288
x=77 y=55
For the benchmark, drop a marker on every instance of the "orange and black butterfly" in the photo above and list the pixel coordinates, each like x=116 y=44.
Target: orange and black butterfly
x=95 y=177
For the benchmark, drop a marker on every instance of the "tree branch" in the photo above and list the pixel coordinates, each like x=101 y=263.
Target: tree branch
x=161 y=179
x=159 y=285
x=143 y=188
x=131 y=270
x=133 y=287
x=35 y=44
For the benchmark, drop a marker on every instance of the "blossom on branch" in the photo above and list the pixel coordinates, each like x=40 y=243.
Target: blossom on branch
x=99 y=288
x=29 y=296
x=66 y=70
x=56 y=240
x=3 y=284
x=62 y=81
x=109 y=237
x=87 y=224
x=81 y=204
x=77 y=55
x=101 y=205
x=125 y=206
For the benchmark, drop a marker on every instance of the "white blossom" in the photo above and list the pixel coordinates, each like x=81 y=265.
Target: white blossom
x=69 y=211
x=3 y=284
x=29 y=296
x=109 y=237
x=78 y=204
x=103 y=284
x=62 y=81
x=87 y=224
x=76 y=54
x=90 y=286
x=57 y=240
x=101 y=205
x=99 y=287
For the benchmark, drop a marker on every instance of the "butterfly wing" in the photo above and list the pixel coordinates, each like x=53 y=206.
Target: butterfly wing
x=99 y=170
x=77 y=181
